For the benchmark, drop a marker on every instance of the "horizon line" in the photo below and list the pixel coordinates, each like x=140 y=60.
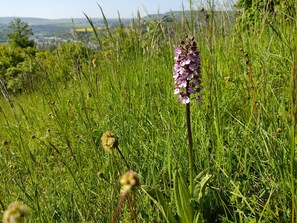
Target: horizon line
x=33 y=17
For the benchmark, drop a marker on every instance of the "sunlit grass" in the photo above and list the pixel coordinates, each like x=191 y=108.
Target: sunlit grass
x=88 y=29
x=51 y=155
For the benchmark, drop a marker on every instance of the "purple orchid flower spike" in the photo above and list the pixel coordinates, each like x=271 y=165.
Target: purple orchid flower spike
x=187 y=72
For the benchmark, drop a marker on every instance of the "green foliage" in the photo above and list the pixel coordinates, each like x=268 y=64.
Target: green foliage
x=188 y=208
x=266 y=5
x=17 y=68
x=20 y=34
x=70 y=60
x=254 y=11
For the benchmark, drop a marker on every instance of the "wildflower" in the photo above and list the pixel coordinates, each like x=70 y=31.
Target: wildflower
x=109 y=141
x=129 y=181
x=15 y=213
x=187 y=73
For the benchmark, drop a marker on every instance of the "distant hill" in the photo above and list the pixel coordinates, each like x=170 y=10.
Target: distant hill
x=6 y=20
x=55 y=27
x=199 y=16
x=58 y=22
x=62 y=27
x=83 y=22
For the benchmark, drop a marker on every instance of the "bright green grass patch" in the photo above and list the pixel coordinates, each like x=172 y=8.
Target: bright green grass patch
x=88 y=29
x=50 y=152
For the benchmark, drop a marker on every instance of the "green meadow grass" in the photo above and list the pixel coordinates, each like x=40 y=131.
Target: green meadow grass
x=243 y=133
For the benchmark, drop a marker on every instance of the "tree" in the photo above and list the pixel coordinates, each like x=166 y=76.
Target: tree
x=20 y=34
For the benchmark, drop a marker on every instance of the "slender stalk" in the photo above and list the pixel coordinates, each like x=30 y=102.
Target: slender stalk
x=116 y=163
x=192 y=18
x=190 y=144
x=293 y=129
x=116 y=211
x=127 y=165
x=101 y=175
x=292 y=174
x=134 y=207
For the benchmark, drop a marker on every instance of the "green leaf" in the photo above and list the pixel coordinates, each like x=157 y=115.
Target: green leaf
x=183 y=200
x=157 y=197
x=201 y=184
x=198 y=218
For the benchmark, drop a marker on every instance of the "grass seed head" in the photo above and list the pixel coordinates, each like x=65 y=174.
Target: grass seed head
x=109 y=141
x=15 y=213
x=129 y=181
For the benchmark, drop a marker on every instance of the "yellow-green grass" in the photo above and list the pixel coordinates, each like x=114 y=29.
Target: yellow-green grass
x=242 y=133
x=88 y=29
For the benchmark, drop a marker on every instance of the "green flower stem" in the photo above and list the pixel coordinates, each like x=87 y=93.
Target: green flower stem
x=190 y=151
x=293 y=134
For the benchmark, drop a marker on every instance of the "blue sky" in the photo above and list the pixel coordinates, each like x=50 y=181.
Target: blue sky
x=53 y=9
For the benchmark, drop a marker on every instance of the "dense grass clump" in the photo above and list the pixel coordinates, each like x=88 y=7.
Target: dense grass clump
x=244 y=133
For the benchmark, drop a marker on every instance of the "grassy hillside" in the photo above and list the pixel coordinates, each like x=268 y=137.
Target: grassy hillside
x=244 y=133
